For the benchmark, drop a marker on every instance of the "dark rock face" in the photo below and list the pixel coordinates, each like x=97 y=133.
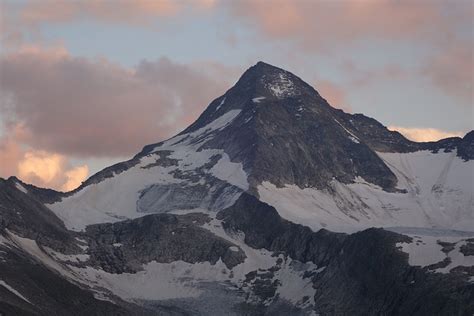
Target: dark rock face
x=377 y=280
x=264 y=228
x=365 y=273
x=294 y=120
x=466 y=147
x=24 y=214
x=376 y=135
x=161 y=237
x=468 y=248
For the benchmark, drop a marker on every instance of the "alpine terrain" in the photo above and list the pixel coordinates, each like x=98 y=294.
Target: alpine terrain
x=271 y=203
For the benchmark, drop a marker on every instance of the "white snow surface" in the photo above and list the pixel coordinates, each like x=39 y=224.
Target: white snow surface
x=114 y=199
x=230 y=172
x=11 y=289
x=281 y=86
x=352 y=137
x=157 y=281
x=425 y=251
x=258 y=99
x=20 y=187
x=62 y=257
x=440 y=189
x=220 y=104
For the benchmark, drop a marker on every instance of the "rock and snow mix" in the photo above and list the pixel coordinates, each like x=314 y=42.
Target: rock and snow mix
x=425 y=251
x=281 y=86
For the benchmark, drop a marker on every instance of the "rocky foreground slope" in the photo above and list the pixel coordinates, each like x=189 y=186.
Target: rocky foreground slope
x=271 y=203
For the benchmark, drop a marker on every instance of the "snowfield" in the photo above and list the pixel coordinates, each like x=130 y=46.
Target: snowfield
x=439 y=194
x=115 y=199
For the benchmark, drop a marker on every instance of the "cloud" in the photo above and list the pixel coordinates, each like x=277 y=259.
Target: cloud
x=93 y=108
x=39 y=167
x=334 y=94
x=75 y=177
x=438 y=28
x=34 y=13
x=43 y=168
x=10 y=154
x=452 y=70
x=359 y=77
x=24 y=19
x=424 y=134
x=56 y=107
x=122 y=11
x=318 y=25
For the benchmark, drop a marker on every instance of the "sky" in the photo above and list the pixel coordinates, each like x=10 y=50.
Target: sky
x=87 y=83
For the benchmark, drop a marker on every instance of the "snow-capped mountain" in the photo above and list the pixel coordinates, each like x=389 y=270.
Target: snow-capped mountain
x=265 y=205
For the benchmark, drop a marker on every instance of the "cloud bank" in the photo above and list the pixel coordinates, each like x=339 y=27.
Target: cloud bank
x=55 y=106
x=82 y=107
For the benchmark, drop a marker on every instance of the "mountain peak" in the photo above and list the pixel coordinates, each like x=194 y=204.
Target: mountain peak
x=270 y=81
x=265 y=67
x=271 y=119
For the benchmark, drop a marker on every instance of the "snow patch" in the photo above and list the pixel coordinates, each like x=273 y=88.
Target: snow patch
x=8 y=287
x=258 y=99
x=281 y=86
x=218 y=124
x=20 y=187
x=31 y=247
x=352 y=137
x=220 y=104
x=231 y=172
x=62 y=257
x=427 y=250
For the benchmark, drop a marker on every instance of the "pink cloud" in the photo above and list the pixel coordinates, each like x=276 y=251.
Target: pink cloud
x=41 y=168
x=93 y=108
x=334 y=94
x=24 y=19
x=317 y=25
x=118 y=11
x=10 y=154
x=327 y=26
x=358 y=77
x=452 y=70
x=52 y=170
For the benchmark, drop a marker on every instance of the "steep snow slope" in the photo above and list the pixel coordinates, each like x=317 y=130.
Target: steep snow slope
x=177 y=174
x=436 y=190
